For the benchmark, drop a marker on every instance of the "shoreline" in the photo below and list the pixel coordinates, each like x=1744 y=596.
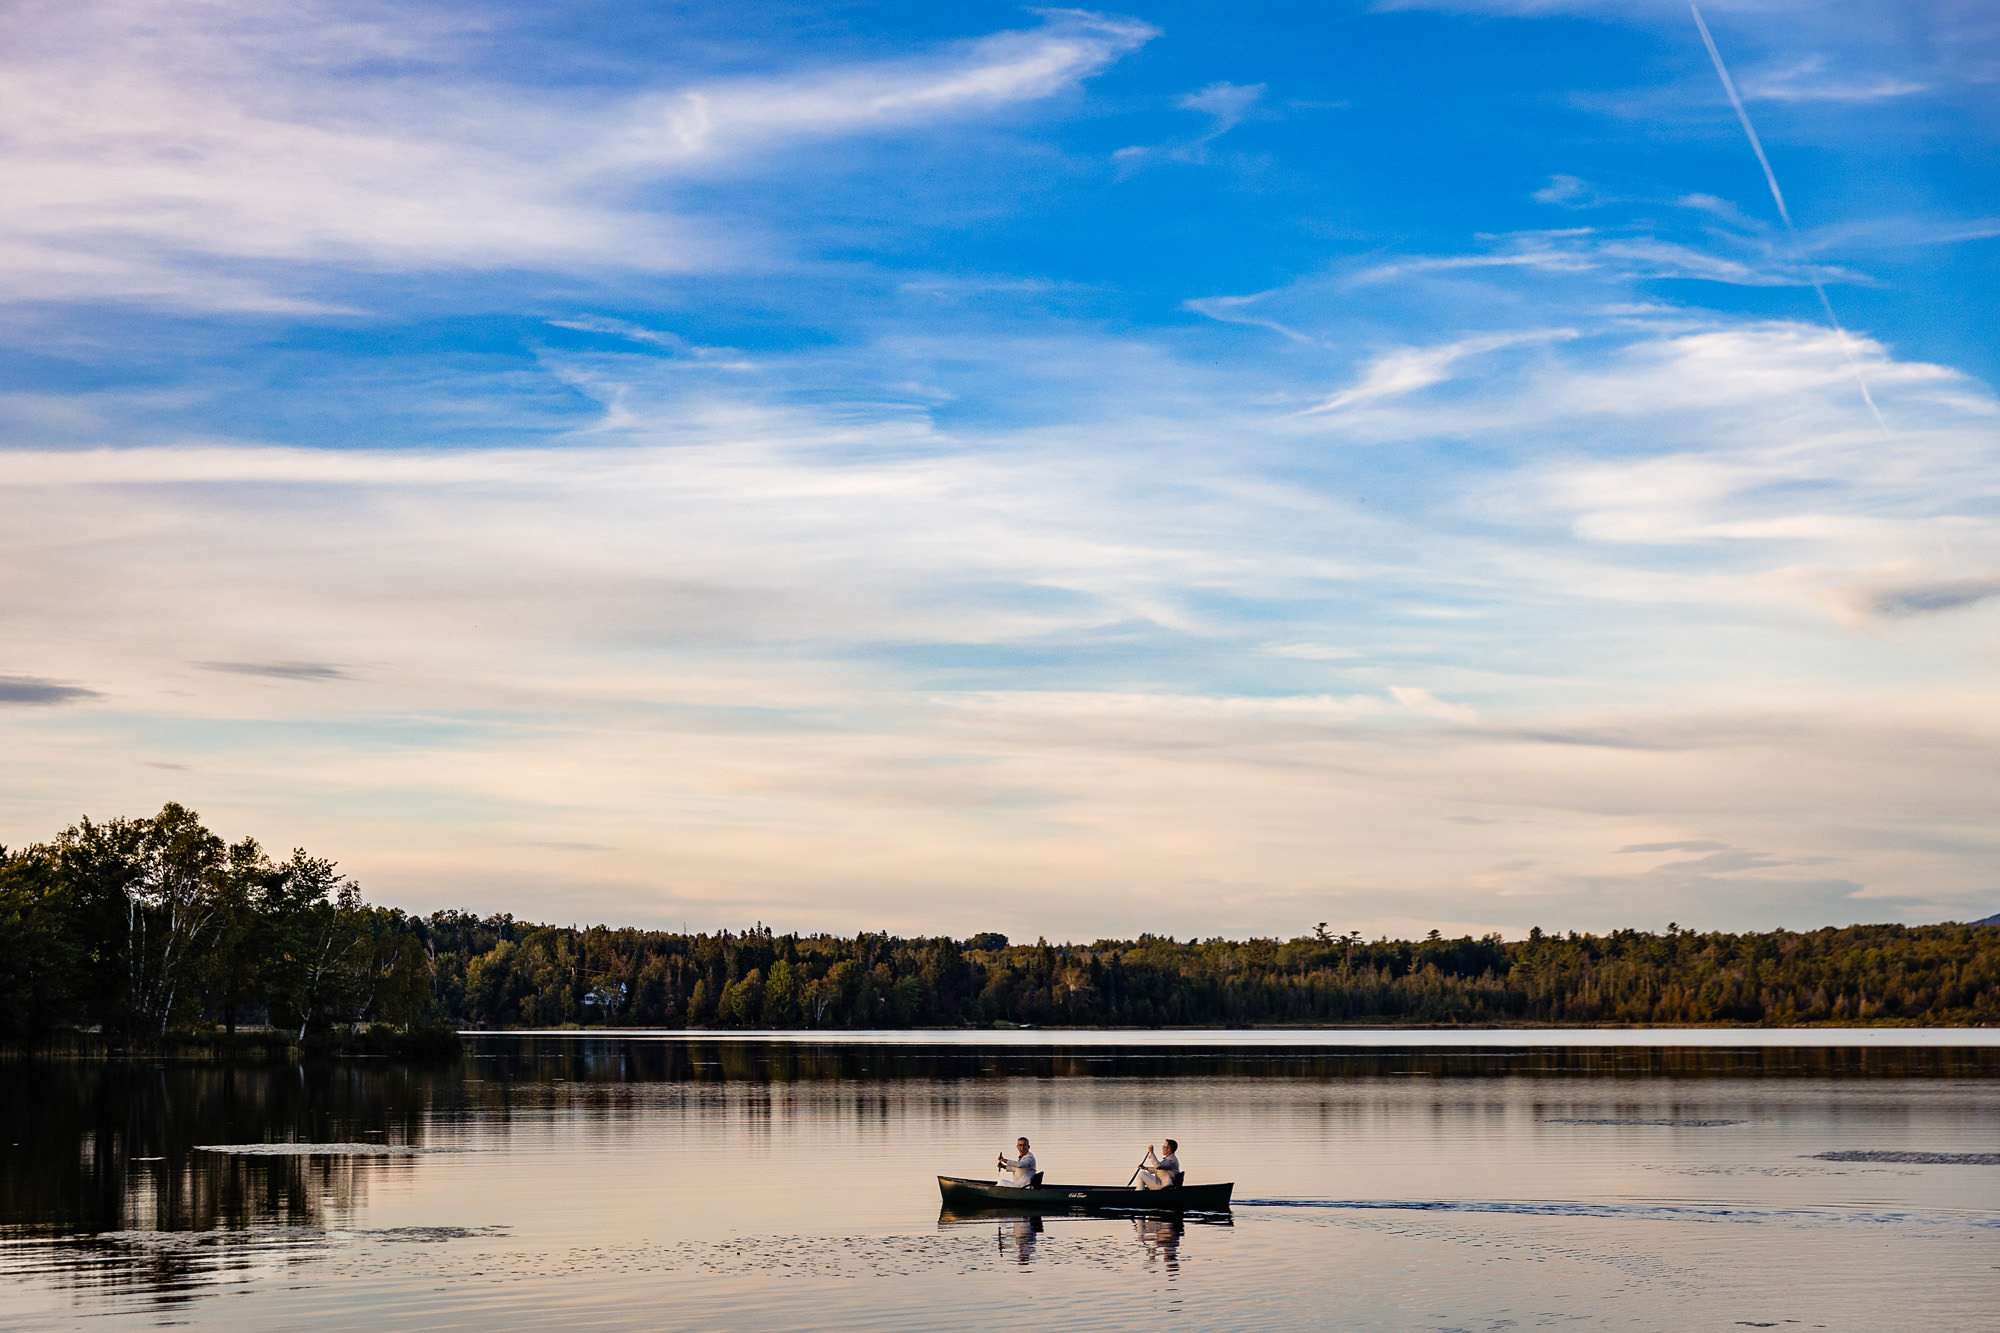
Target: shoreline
x=441 y=1045
x=1883 y=1037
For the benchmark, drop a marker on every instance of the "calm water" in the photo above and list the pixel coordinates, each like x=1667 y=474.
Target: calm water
x=626 y=1183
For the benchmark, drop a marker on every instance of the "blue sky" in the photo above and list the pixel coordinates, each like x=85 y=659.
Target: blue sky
x=1198 y=469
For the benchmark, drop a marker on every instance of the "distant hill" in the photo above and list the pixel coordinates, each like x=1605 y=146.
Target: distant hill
x=1993 y=920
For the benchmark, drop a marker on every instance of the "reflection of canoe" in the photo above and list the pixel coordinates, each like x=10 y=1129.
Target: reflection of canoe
x=985 y=1215
x=963 y=1196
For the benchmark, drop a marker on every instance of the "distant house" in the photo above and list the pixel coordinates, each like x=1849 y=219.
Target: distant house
x=607 y=999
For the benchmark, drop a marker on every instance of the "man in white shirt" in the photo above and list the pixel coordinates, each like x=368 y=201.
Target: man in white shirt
x=1020 y=1171
x=1157 y=1173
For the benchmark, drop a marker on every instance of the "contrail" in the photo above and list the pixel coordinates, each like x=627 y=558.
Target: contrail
x=1778 y=197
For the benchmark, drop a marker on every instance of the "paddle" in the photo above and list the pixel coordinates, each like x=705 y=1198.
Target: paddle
x=1135 y=1174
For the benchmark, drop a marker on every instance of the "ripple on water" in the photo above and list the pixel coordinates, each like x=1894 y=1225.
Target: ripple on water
x=426 y=1235
x=1920 y=1158
x=1669 y=1123
x=312 y=1149
x=1661 y=1212
x=198 y=1243
x=804 y=1256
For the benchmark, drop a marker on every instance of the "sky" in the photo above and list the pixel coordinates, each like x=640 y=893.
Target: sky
x=1190 y=468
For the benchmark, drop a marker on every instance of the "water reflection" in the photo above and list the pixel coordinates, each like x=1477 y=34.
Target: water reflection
x=591 y=1169
x=101 y=1147
x=1023 y=1231
x=1160 y=1237
x=93 y=1147
x=514 y=1058
x=173 y=1226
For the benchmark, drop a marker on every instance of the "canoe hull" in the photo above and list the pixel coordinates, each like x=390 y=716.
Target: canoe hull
x=961 y=1195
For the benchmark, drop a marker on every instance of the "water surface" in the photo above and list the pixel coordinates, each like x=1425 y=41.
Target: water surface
x=702 y=1183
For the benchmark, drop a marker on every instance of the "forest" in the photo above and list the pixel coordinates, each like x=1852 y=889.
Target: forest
x=151 y=927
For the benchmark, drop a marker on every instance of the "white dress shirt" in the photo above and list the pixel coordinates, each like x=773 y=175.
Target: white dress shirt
x=1020 y=1171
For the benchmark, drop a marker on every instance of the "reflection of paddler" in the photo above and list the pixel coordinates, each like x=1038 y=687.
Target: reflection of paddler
x=1024 y=1230
x=1162 y=1238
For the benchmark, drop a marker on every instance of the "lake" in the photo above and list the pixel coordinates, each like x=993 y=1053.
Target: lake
x=1393 y=1181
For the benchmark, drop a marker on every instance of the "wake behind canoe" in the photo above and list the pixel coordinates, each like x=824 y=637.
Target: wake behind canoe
x=966 y=1195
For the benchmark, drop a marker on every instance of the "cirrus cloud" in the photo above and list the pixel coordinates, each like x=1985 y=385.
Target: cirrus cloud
x=209 y=159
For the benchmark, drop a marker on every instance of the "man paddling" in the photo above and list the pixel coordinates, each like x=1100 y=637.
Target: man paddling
x=1157 y=1173
x=1020 y=1171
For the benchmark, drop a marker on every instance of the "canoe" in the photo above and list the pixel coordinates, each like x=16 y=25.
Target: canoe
x=961 y=1195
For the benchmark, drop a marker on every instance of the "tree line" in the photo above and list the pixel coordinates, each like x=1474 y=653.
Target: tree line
x=147 y=927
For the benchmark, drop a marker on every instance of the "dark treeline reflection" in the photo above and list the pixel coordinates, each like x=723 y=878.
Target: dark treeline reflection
x=611 y=1059
x=111 y=1146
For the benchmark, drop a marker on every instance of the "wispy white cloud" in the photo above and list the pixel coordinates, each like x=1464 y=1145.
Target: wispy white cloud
x=201 y=157
x=1645 y=11
x=1616 y=253
x=1422 y=702
x=1311 y=652
x=1904 y=233
x=1242 y=310
x=1725 y=210
x=1406 y=370
x=1807 y=80
x=997 y=71
x=1227 y=105
x=1567 y=192
x=716 y=358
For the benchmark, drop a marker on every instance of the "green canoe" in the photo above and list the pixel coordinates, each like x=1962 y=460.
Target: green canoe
x=961 y=1195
